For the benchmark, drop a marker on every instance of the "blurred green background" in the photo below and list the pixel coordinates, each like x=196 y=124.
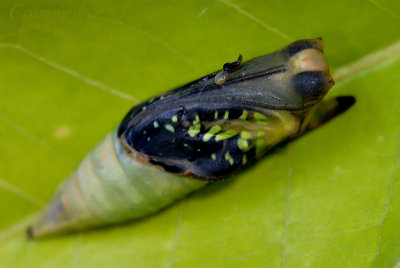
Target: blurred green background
x=70 y=70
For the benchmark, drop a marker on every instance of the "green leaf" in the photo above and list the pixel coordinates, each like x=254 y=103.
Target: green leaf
x=71 y=70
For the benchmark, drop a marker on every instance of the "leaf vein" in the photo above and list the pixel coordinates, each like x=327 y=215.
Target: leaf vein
x=20 y=193
x=333 y=235
x=25 y=133
x=150 y=37
x=177 y=235
x=388 y=201
x=71 y=72
x=287 y=208
x=384 y=9
x=257 y=20
x=367 y=64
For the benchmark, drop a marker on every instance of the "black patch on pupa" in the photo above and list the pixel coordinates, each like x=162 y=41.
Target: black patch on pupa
x=300 y=45
x=310 y=84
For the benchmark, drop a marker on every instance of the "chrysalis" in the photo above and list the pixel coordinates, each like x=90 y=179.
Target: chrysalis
x=207 y=130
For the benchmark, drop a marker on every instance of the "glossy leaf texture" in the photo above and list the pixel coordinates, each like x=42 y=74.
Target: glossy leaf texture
x=71 y=70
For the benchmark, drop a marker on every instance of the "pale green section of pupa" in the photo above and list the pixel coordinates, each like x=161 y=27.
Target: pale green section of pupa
x=109 y=186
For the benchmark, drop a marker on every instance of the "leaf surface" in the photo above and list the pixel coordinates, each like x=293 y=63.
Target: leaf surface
x=71 y=70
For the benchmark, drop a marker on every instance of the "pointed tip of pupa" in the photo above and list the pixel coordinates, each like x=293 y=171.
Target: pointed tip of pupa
x=29 y=233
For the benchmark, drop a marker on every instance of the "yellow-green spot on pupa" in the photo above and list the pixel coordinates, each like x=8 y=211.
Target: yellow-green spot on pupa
x=215 y=115
x=244 y=159
x=226 y=115
x=259 y=117
x=229 y=158
x=197 y=120
x=214 y=130
x=174 y=118
x=244 y=115
x=155 y=124
x=169 y=128
x=194 y=130
x=245 y=135
x=213 y=156
x=259 y=146
x=242 y=144
x=226 y=135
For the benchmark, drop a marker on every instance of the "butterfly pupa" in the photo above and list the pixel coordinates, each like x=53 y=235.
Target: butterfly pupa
x=207 y=130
